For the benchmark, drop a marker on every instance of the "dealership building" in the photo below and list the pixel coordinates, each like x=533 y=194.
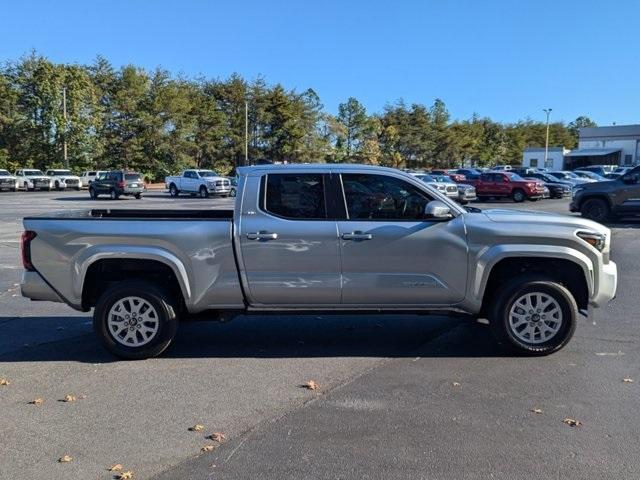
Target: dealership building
x=614 y=145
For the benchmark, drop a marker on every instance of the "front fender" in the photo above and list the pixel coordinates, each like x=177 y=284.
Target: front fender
x=490 y=256
x=93 y=254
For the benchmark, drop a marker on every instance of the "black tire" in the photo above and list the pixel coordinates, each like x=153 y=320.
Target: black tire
x=12 y=189
x=203 y=192
x=173 y=190
x=77 y=189
x=232 y=193
x=518 y=195
x=58 y=186
x=595 y=209
x=166 y=309
x=138 y=196
x=504 y=300
x=92 y=193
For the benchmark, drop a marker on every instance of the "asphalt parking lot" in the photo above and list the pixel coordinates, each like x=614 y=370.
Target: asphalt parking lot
x=398 y=397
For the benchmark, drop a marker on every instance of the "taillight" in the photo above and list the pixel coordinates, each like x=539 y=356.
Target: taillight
x=27 y=236
x=121 y=184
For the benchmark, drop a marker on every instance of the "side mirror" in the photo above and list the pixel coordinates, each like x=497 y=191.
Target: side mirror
x=437 y=210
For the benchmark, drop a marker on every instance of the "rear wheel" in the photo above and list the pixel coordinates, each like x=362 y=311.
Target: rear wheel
x=595 y=209
x=534 y=316
x=518 y=195
x=138 y=196
x=173 y=190
x=204 y=193
x=136 y=320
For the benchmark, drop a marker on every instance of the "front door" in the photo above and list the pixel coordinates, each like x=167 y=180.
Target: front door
x=393 y=256
x=629 y=194
x=289 y=241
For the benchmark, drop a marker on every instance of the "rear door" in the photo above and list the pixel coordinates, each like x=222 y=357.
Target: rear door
x=390 y=254
x=288 y=241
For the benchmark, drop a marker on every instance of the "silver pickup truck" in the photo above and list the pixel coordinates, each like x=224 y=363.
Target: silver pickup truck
x=330 y=238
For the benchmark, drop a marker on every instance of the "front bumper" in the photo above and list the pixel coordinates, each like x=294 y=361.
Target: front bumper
x=34 y=287
x=218 y=189
x=574 y=206
x=607 y=284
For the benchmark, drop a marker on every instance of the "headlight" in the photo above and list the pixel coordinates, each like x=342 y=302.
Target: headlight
x=596 y=240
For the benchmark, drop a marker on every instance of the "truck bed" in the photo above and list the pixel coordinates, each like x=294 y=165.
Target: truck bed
x=138 y=214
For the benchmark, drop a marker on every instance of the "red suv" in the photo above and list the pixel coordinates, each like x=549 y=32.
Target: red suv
x=499 y=184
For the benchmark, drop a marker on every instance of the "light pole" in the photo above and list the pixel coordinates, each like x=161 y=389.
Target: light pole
x=64 y=115
x=546 y=143
x=246 y=132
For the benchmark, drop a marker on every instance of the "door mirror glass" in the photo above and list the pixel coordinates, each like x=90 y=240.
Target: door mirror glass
x=437 y=210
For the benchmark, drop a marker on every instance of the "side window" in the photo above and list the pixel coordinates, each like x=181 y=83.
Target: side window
x=381 y=197
x=102 y=176
x=115 y=177
x=295 y=196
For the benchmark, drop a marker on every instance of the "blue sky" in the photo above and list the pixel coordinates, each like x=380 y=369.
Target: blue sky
x=503 y=59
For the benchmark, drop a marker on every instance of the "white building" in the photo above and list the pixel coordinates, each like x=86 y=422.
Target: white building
x=614 y=145
x=533 y=157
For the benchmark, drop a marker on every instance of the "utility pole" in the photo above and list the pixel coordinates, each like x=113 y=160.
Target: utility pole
x=246 y=133
x=546 y=144
x=64 y=115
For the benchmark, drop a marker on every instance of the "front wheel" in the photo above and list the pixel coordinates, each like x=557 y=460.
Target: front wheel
x=136 y=320
x=173 y=190
x=92 y=193
x=204 y=193
x=595 y=209
x=518 y=196
x=138 y=196
x=232 y=193
x=534 y=316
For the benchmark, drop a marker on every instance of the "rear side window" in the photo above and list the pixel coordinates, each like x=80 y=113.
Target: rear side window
x=381 y=197
x=295 y=196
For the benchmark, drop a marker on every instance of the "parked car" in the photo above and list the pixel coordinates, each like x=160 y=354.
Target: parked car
x=556 y=189
x=468 y=171
x=8 y=181
x=569 y=177
x=602 y=201
x=62 y=179
x=233 y=191
x=446 y=187
x=89 y=176
x=201 y=182
x=32 y=179
x=599 y=169
x=116 y=184
x=500 y=168
x=507 y=184
x=466 y=192
x=453 y=173
x=310 y=238
x=589 y=175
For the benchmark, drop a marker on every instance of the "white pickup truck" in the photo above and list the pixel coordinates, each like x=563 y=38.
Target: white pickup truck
x=200 y=182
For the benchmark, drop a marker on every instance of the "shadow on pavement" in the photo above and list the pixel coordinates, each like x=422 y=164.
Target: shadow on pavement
x=285 y=337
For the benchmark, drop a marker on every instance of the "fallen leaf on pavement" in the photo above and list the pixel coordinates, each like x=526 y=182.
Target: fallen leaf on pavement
x=125 y=475
x=4 y=382
x=571 y=422
x=115 y=468
x=196 y=428
x=65 y=459
x=207 y=448
x=218 y=437
x=627 y=380
x=69 y=398
x=536 y=410
x=36 y=401
x=311 y=385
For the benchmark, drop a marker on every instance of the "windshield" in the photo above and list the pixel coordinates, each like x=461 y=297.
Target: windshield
x=514 y=176
x=32 y=172
x=442 y=178
x=4 y=172
x=60 y=173
x=426 y=178
x=207 y=173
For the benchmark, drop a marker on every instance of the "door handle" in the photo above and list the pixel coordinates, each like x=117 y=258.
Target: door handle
x=262 y=236
x=357 y=236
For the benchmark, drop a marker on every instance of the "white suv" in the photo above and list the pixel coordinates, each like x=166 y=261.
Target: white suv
x=89 y=176
x=62 y=179
x=32 y=179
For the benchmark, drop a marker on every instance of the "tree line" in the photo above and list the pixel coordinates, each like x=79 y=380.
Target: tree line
x=158 y=123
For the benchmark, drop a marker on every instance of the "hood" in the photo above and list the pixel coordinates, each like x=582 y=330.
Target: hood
x=597 y=185
x=7 y=177
x=542 y=219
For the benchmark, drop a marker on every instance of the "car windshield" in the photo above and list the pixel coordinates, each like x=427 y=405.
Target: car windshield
x=207 y=173
x=4 y=172
x=32 y=172
x=514 y=176
x=60 y=173
x=441 y=178
x=426 y=178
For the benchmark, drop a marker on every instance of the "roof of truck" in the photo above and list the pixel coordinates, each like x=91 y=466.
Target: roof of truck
x=313 y=167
